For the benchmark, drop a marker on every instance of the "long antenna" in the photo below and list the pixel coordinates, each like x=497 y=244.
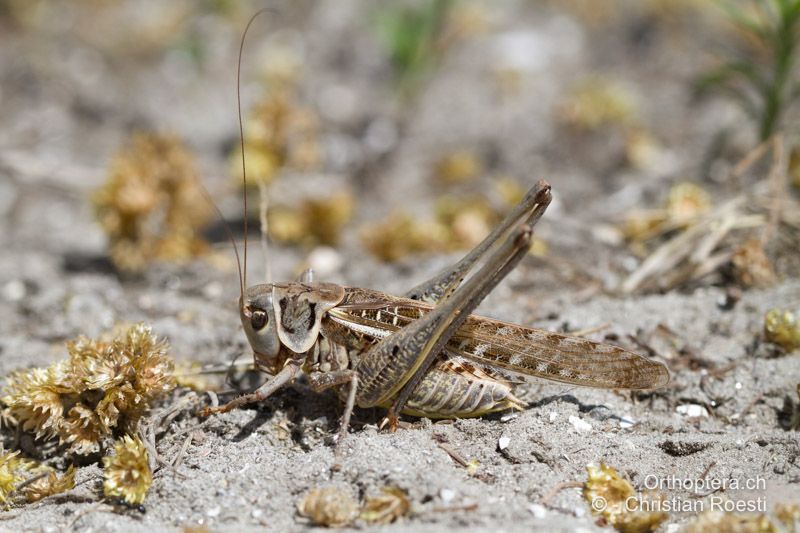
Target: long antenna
x=228 y=231
x=241 y=136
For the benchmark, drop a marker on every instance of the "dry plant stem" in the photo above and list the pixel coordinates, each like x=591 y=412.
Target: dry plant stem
x=97 y=507
x=31 y=480
x=455 y=508
x=777 y=184
x=692 y=247
x=179 y=458
x=453 y=454
x=558 y=488
x=751 y=158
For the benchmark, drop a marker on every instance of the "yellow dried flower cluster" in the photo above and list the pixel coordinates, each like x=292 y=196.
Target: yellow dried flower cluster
x=459 y=223
x=596 y=103
x=315 y=221
x=794 y=167
x=686 y=203
x=390 y=505
x=49 y=484
x=335 y=506
x=457 y=167
x=126 y=475
x=781 y=327
x=328 y=506
x=788 y=514
x=732 y=522
x=15 y=470
x=12 y=469
x=102 y=389
x=278 y=134
x=751 y=266
x=609 y=495
x=401 y=235
x=152 y=206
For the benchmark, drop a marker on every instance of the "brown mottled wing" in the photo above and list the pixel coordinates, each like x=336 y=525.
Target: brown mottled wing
x=544 y=354
x=492 y=343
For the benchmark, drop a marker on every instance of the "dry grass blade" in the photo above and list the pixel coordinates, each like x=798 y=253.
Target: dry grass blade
x=688 y=255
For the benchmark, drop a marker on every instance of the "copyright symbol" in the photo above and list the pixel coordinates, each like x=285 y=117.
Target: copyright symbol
x=599 y=504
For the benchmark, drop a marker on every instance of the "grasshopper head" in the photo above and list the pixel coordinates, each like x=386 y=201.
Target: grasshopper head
x=286 y=314
x=258 y=319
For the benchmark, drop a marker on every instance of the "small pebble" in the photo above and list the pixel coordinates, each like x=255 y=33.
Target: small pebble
x=692 y=410
x=447 y=495
x=538 y=510
x=14 y=290
x=324 y=261
x=625 y=423
x=581 y=426
x=553 y=416
x=213 y=512
x=502 y=443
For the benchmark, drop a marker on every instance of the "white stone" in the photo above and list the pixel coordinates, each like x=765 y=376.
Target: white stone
x=538 y=510
x=580 y=425
x=692 y=410
x=447 y=495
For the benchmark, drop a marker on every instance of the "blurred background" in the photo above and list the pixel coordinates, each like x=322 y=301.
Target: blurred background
x=385 y=137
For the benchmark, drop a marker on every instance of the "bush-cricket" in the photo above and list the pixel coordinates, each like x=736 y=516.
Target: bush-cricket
x=424 y=353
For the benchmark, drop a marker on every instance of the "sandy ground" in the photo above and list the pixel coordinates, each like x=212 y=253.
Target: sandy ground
x=248 y=469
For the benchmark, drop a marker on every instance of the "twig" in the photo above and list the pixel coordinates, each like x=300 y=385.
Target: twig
x=777 y=185
x=751 y=158
x=558 y=488
x=179 y=458
x=455 y=508
x=93 y=509
x=457 y=457
x=31 y=480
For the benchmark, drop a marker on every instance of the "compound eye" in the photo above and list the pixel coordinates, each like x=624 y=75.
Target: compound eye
x=258 y=319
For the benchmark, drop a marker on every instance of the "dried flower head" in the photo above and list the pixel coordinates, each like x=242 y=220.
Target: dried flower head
x=278 y=134
x=101 y=390
x=26 y=480
x=751 y=266
x=686 y=203
x=721 y=521
x=781 y=327
x=401 y=235
x=788 y=514
x=152 y=206
x=610 y=495
x=190 y=374
x=390 y=505
x=458 y=167
x=315 y=221
x=329 y=506
x=12 y=472
x=126 y=474
x=49 y=484
x=460 y=222
x=597 y=103
x=794 y=167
